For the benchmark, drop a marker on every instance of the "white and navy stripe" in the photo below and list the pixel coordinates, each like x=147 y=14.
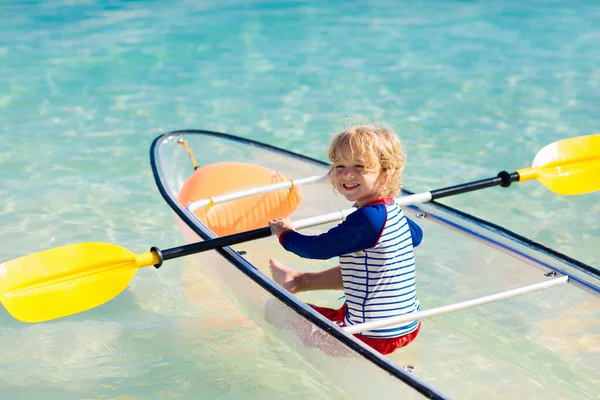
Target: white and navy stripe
x=375 y=245
x=379 y=282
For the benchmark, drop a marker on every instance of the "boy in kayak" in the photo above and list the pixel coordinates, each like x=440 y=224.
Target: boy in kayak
x=374 y=244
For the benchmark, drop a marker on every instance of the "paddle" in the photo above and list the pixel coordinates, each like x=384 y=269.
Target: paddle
x=69 y=279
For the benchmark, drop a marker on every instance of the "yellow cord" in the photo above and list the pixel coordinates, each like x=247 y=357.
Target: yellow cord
x=187 y=148
x=291 y=194
x=209 y=205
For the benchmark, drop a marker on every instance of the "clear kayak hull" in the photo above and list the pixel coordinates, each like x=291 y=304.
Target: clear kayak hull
x=543 y=344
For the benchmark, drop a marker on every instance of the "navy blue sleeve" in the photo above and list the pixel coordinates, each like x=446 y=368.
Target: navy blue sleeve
x=359 y=231
x=415 y=232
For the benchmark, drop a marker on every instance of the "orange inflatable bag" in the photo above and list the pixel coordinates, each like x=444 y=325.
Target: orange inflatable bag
x=242 y=214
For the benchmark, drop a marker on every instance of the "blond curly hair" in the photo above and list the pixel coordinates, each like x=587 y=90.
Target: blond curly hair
x=376 y=147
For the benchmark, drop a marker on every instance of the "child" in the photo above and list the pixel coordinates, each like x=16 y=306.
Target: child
x=374 y=243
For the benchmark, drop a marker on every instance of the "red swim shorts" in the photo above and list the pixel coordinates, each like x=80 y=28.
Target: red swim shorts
x=384 y=346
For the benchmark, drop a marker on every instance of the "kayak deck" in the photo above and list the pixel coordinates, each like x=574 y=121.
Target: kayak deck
x=542 y=344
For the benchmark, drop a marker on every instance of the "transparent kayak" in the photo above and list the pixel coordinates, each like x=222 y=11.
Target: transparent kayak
x=544 y=344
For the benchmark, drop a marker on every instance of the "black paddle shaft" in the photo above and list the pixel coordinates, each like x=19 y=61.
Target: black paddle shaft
x=211 y=244
x=503 y=179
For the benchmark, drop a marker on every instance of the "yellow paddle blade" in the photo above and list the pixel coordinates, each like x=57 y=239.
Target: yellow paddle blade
x=567 y=167
x=66 y=280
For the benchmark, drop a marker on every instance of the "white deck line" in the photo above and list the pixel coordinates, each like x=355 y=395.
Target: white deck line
x=367 y=326
x=254 y=191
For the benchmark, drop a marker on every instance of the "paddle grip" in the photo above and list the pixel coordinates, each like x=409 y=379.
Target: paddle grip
x=159 y=254
x=503 y=179
x=211 y=244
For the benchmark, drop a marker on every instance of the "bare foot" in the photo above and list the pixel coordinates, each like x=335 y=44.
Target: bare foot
x=285 y=276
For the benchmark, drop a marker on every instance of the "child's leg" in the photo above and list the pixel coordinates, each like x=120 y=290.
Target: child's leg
x=298 y=281
x=287 y=277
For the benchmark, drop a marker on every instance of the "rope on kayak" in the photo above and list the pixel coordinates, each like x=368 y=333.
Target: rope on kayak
x=291 y=194
x=187 y=148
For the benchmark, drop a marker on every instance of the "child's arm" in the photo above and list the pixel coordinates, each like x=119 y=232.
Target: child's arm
x=359 y=231
x=415 y=232
x=355 y=233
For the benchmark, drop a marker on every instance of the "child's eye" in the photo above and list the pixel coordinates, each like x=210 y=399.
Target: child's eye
x=359 y=166
x=339 y=166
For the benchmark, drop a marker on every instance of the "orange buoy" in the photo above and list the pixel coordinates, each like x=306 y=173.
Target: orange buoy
x=242 y=214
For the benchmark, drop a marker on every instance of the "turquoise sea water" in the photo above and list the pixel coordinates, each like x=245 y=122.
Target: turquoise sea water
x=473 y=88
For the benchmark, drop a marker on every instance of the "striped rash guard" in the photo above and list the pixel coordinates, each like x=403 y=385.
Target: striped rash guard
x=375 y=247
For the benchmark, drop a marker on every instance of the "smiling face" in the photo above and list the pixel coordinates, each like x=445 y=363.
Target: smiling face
x=367 y=163
x=355 y=181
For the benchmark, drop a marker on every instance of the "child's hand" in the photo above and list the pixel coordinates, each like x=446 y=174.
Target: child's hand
x=280 y=225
